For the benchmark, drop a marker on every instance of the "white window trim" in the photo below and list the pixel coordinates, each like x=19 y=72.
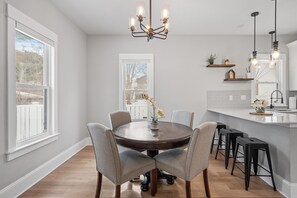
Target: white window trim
x=126 y=57
x=13 y=151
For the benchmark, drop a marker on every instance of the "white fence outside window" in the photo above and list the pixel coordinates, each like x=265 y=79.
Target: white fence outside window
x=30 y=121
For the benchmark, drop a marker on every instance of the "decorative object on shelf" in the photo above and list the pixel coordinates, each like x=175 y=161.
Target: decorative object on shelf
x=272 y=60
x=254 y=60
x=211 y=58
x=157 y=112
x=275 y=51
x=226 y=61
x=260 y=105
x=230 y=74
x=148 y=31
x=248 y=72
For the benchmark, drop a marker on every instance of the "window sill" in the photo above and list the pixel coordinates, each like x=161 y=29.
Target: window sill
x=19 y=151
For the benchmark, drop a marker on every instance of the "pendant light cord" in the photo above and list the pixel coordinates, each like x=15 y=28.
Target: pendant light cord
x=254 y=33
x=275 y=9
x=150 y=13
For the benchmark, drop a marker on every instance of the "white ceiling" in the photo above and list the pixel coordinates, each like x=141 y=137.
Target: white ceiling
x=208 y=17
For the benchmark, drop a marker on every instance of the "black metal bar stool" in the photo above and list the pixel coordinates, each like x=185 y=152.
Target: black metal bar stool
x=230 y=139
x=220 y=126
x=251 y=146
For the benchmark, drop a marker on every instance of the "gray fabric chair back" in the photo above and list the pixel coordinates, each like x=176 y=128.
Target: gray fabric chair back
x=119 y=118
x=198 y=150
x=106 y=152
x=183 y=117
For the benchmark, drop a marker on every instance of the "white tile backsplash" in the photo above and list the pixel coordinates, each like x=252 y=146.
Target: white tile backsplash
x=229 y=98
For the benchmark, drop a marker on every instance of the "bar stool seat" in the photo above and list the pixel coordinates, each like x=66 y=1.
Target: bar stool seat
x=220 y=126
x=251 y=146
x=230 y=139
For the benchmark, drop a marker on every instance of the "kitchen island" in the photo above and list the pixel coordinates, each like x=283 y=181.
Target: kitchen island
x=279 y=130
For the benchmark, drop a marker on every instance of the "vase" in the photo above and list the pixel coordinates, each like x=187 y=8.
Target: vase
x=260 y=109
x=154 y=126
x=248 y=75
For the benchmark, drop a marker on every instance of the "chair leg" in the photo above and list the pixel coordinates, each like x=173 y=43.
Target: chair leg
x=270 y=167
x=99 y=183
x=154 y=182
x=234 y=158
x=206 y=186
x=255 y=155
x=118 y=191
x=220 y=140
x=188 y=189
x=211 y=147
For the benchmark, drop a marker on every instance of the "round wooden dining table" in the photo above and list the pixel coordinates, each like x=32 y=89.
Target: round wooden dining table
x=140 y=136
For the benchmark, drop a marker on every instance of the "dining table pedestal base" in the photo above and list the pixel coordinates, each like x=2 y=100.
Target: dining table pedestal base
x=161 y=174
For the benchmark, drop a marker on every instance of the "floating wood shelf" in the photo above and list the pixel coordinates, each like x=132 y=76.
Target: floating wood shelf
x=221 y=65
x=239 y=79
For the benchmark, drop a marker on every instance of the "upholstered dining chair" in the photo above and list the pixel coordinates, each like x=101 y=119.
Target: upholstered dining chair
x=183 y=117
x=187 y=164
x=118 y=167
x=117 y=119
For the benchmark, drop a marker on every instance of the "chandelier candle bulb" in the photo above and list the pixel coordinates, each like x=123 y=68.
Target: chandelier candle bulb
x=140 y=12
x=132 y=24
x=165 y=14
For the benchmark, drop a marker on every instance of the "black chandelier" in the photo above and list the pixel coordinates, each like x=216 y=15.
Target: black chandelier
x=275 y=51
x=148 y=31
x=254 y=60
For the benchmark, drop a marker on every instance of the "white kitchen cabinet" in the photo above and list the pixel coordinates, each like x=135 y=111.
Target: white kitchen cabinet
x=292 y=66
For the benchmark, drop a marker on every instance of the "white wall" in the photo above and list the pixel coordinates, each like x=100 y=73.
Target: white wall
x=72 y=109
x=181 y=76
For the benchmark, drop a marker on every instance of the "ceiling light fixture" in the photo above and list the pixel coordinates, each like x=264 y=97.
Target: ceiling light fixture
x=148 y=31
x=254 y=60
x=275 y=51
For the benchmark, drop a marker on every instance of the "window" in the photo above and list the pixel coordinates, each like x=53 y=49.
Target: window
x=136 y=78
x=31 y=84
x=269 y=78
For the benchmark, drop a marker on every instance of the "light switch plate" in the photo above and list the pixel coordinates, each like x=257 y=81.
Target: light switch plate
x=230 y=97
x=243 y=97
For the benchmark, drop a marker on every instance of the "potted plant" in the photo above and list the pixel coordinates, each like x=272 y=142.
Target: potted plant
x=248 y=72
x=211 y=58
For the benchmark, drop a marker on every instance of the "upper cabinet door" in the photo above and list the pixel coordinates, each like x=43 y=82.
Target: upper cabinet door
x=292 y=66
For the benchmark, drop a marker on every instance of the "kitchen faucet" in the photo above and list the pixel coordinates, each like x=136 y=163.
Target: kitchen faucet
x=271 y=97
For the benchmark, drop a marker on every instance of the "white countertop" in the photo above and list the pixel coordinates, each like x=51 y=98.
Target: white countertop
x=277 y=118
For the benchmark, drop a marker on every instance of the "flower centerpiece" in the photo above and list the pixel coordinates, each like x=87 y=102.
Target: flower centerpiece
x=260 y=105
x=157 y=112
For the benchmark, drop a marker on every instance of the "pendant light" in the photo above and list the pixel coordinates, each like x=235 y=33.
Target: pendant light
x=275 y=51
x=272 y=60
x=254 y=60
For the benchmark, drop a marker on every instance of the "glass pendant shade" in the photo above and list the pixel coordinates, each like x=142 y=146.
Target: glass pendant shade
x=275 y=51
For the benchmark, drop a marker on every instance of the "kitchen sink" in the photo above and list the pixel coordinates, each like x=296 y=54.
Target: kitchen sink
x=283 y=110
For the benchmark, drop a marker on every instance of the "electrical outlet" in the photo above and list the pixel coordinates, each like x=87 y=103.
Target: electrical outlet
x=243 y=97
x=230 y=97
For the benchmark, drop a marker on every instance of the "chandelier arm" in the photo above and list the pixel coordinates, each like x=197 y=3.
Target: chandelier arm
x=160 y=28
x=138 y=36
x=143 y=26
x=163 y=38
x=161 y=31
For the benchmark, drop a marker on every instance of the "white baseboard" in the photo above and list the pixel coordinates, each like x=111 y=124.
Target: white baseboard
x=25 y=182
x=283 y=186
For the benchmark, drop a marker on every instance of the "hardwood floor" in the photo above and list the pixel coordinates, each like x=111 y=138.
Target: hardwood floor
x=77 y=178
